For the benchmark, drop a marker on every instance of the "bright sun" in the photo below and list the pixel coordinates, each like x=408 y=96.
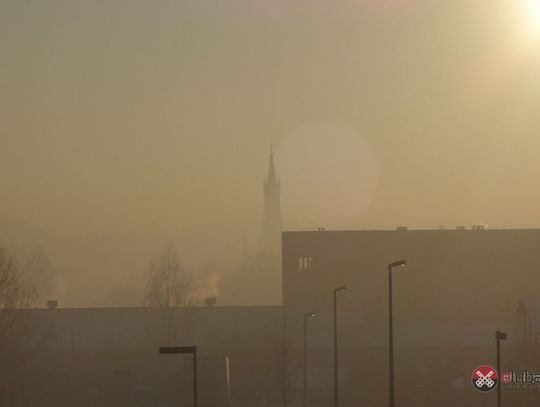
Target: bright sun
x=536 y=10
x=533 y=14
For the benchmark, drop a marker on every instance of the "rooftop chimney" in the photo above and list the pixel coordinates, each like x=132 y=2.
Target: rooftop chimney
x=52 y=304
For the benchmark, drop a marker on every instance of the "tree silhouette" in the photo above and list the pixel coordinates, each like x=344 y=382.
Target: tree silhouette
x=168 y=284
x=20 y=331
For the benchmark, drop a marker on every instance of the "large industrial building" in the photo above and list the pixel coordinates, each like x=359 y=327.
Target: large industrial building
x=462 y=275
x=457 y=288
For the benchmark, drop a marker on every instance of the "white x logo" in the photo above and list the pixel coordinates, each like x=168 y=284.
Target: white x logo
x=485 y=380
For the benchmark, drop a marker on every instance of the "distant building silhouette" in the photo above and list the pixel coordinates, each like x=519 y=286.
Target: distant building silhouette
x=257 y=280
x=459 y=287
x=271 y=225
x=493 y=268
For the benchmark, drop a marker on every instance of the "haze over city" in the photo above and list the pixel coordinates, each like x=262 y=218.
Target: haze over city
x=135 y=126
x=266 y=154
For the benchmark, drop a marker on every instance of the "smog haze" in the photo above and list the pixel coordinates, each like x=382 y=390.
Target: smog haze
x=129 y=127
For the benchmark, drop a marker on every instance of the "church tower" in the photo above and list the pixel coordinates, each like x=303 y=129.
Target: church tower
x=271 y=226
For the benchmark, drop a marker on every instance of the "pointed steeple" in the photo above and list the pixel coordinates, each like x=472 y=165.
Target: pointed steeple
x=271 y=227
x=271 y=177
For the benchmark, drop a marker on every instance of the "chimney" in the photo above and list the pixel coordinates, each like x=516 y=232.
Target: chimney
x=210 y=301
x=52 y=304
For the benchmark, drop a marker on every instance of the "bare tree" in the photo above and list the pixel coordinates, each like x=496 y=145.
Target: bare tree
x=168 y=284
x=13 y=293
x=20 y=332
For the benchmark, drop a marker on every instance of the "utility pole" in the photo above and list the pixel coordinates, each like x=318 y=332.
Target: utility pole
x=391 y=388
x=306 y=316
x=336 y=399
x=499 y=336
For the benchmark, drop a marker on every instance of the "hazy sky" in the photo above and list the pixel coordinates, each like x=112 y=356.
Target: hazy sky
x=150 y=119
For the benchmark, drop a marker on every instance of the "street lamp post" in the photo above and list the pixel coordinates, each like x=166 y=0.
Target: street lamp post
x=164 y=350
x=306 y=316
x=391 y=389
x=336 y=290
x=499 y=336
x=129 y=373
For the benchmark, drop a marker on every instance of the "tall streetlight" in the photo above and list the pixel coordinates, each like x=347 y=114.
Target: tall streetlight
x=400 y=263
x=336 y=290
x=129 y=373
x=306 y=316
x=164 y=350
x=499 y=336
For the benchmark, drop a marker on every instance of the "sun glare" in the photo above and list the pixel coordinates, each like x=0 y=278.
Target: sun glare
x=532 y=10
x=535 y=10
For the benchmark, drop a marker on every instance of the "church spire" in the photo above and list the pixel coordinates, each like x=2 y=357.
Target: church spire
x=271 y=227
x=271 y=168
